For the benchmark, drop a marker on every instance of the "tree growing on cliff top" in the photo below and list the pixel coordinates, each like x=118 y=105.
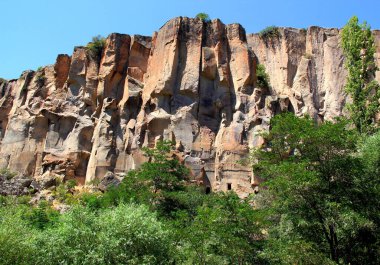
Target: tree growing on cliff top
x=96 y=46
x=359 y=48
x=270 y=33
x=204 y=17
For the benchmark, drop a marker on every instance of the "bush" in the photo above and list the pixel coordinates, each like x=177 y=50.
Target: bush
x=40 y=76
x=16 y=237
x=64 y=192
x=92 y=201
x=204 y=17
x=127 y=234
x=42 y=216
x=8 y=174
x=70 y=184
x=262 y=77
x=224 y=230
x=270 y=33
x=96 y=46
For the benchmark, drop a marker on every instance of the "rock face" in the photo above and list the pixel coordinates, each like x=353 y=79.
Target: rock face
x=87 y=117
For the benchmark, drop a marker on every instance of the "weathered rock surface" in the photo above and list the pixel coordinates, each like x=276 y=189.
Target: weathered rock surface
x=87 y=118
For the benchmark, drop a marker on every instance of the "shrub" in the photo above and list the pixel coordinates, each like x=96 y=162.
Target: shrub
x=126 y=234
x=270 y=33
x=3 y=201
x=16 y=237
x=91 y=200
x=96 y=46
x=370 y=152
x=204 y=17
x=42 y=216
x=8 y=174
x=63 y=192
x=224 y=230
x=40 y=76
x=262 y=77
x=70 y=184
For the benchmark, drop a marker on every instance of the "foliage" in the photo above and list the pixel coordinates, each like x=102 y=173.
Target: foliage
x=127 y=234
x=163 y=171
x=64 y=192
x=320 y=206
x=204 y=17
x=70 y=184
x=316 y=193
x=359 y=48
x=91 y=200
x=16 y=237
x=152 y=217
x=41 y=217
x=370 y=154
x=271 y=32
x=155 y=183
x=262 y=77
x=96 y=46
x=6 y=201
x=224 y=230
x=40 y=76
x=7 y=173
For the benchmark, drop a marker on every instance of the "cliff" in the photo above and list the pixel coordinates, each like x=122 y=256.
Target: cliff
x=87 y=117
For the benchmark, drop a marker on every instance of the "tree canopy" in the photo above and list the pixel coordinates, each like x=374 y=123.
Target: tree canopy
x=204 y=17
x=317 y=184
x=359 y=49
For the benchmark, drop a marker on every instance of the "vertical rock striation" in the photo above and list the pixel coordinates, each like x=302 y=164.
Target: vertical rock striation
x=87 y=117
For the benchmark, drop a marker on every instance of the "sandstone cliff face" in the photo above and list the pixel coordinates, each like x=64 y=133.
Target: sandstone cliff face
x=86 y=117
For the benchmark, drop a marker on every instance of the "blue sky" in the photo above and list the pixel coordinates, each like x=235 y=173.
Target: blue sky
x=33 y=33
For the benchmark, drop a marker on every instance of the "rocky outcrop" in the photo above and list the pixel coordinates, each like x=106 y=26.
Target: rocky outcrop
x=87 y=117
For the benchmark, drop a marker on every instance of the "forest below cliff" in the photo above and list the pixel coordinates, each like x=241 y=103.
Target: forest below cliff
x=320 y=206
x=319 y=202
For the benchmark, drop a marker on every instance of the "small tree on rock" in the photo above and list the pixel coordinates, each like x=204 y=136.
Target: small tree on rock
x=204 y=17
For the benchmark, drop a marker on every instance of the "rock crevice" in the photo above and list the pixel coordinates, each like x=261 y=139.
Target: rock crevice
x=192 y=82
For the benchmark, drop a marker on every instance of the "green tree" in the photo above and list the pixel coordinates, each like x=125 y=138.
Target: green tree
x=204 y=17
x=316 y=191
x=96 y=46
x=224 y=230
x=159 y=183
x=270 y=32
x=164 y=175
x=359 y=48
x=126 y=234
x=262 y=77
x=42 y=216
x=16 y=237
